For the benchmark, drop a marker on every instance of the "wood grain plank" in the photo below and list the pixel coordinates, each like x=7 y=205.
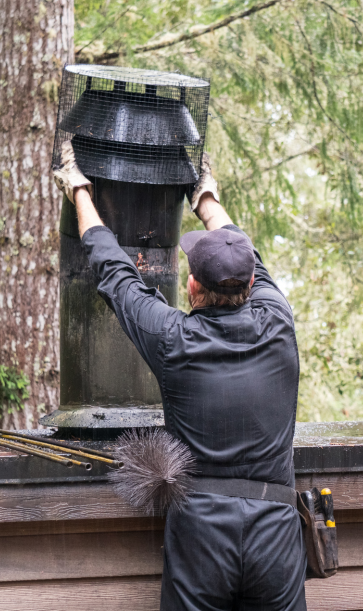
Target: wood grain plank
x=343 y=592
x=350 y=545
x=50 y=550
x=63 y=502
x=343 y=516
x=347 y=488
x=64 y=527
x=35 y=503
x=60 y=527
x=122 y=594
x=78 y=556
x=108 y=554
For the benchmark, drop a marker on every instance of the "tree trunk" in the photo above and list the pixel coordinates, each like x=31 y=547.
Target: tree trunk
x=36 y=38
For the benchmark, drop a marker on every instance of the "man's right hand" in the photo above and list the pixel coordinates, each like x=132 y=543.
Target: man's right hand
x=69 y=176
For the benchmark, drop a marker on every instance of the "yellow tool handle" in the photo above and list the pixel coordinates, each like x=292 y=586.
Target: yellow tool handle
x=328 y=508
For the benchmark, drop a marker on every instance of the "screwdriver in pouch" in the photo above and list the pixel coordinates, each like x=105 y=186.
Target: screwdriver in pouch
x=327 y=504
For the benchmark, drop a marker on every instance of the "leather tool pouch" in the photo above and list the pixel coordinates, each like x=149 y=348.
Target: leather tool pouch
x=321 y=543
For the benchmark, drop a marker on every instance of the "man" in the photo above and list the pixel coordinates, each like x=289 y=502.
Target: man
x=228 y=374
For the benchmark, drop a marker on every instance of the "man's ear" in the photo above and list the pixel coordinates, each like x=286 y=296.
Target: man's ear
x=252 y=280
x=193 y=285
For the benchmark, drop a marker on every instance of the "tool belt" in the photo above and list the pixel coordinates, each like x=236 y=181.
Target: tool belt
x=315 y=509
x=316 y=512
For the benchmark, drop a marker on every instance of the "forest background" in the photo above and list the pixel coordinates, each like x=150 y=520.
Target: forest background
x=286 y=139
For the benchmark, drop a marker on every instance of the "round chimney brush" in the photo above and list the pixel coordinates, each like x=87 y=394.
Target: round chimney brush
x=156 y=470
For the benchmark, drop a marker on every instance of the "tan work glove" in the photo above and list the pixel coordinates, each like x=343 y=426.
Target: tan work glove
x=205 y=183
x=69 y=175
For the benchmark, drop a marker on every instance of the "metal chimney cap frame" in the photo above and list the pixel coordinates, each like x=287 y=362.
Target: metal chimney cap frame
x=137 y=75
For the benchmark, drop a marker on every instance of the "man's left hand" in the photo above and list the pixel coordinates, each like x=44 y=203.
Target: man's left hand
x=69 y=176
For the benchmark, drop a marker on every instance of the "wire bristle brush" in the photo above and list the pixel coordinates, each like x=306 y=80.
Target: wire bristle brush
x=156 y=471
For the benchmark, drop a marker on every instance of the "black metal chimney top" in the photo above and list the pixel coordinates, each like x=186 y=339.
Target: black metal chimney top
x=133 y=125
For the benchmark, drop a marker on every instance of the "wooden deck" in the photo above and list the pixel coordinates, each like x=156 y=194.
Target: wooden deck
x=77 y=547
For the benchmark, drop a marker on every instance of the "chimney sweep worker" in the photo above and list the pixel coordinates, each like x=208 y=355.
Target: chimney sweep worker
x=228 y=374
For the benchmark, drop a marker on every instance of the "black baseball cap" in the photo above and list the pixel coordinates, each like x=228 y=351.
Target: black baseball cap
x=219 y=255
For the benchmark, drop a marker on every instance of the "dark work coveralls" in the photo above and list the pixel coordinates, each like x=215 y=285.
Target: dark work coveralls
x=229 y=380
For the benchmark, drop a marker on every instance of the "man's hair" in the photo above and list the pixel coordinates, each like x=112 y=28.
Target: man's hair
x=213 y=298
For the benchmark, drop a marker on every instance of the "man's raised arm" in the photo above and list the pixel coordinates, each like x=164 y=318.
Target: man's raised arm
x=205 y=199
x=86 y=212
x=212 y=213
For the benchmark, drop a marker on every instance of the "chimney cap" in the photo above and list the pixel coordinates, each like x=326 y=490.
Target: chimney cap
x=133 y=125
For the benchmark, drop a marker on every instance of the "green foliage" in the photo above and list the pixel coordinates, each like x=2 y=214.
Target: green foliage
x=286 y=136
x=326 y=292
x=13 y=389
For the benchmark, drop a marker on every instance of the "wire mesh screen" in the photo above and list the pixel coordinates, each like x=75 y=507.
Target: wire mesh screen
x=133 y=125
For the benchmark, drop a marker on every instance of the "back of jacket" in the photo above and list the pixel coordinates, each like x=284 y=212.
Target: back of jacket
x=228 y=376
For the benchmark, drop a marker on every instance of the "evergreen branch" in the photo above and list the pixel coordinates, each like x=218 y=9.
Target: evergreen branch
x=98 y=35
x=347 y=260
x=334 y=10
x=315 y=89
x=274 y=166
x=201 y=30
x=195 y=33
x=105 y=57
x=301 y=223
